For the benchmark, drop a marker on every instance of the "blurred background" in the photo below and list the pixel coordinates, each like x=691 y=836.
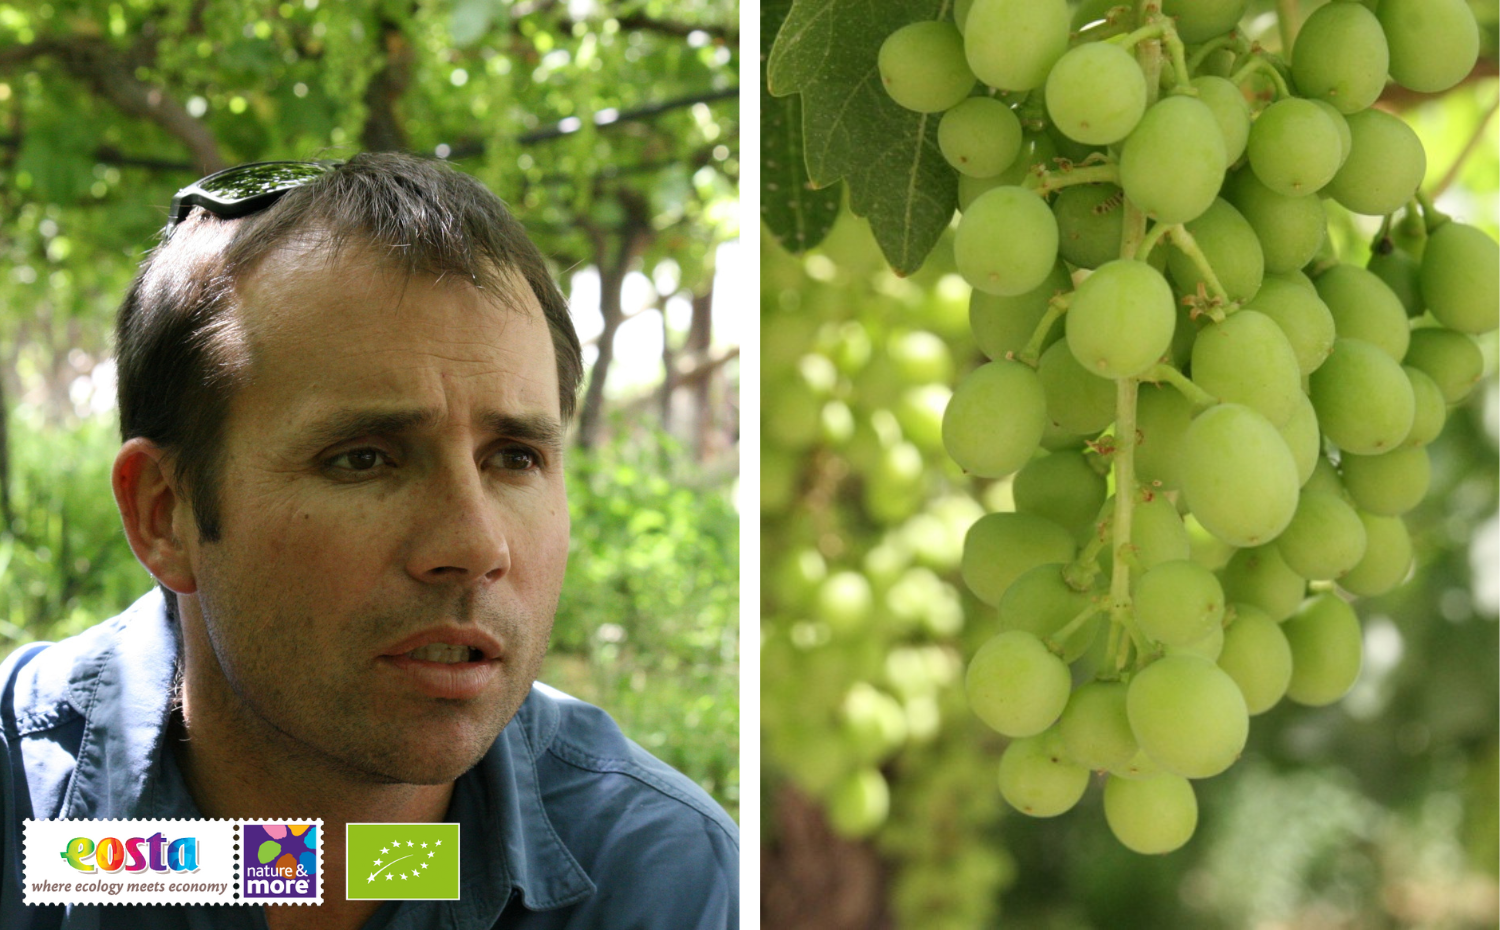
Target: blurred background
x=611 y=129
x=881 y=805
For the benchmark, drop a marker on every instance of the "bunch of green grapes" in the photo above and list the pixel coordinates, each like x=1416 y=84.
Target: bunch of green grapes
x=1177 y=356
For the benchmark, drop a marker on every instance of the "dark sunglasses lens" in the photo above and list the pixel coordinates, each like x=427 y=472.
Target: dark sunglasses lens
x=253 y=180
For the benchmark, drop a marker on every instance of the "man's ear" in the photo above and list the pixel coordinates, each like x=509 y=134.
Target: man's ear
x=150 y=505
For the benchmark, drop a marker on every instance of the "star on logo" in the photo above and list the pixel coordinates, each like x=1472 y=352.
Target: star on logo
x=431 y=854
x=410 y=843
x=424 y=865
x=389 y=876
x=370 y=879
x=424 y=845
x=379 y=861
x=438 y=843
x=386 y=850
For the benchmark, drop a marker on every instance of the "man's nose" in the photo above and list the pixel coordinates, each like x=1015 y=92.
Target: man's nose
x=461 y=532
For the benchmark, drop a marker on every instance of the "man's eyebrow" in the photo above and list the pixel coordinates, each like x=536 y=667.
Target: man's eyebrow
x=343 y=425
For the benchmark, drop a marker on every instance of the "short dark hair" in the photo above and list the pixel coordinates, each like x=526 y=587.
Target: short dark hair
x=177 y=346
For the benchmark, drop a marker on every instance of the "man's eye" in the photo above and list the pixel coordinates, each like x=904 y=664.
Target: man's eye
x=519 y=458
x=511 y=458
x=356 y=460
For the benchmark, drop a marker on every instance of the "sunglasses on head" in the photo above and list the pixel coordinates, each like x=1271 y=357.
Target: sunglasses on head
x=244 y=189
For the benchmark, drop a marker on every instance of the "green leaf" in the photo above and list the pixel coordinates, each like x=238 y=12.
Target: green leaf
x=826 y=51
x=797 y=214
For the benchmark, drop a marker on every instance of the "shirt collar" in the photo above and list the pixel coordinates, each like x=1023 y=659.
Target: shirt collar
x=122 y=685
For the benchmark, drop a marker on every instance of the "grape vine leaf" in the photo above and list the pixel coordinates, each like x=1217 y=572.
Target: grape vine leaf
x=798 y=214
x=826 y=51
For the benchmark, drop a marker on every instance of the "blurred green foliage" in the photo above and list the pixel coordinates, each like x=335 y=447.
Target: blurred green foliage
x=64 y=561
x=651 y=605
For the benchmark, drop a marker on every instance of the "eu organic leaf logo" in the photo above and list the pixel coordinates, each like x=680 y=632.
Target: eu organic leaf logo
x=402 y=861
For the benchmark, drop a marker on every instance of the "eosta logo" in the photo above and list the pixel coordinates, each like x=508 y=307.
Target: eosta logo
x=136 y=854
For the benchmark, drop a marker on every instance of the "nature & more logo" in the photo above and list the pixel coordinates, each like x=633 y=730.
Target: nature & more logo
x=280 y=860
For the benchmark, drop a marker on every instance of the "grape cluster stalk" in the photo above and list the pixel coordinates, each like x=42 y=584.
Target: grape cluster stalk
x=1214 y=424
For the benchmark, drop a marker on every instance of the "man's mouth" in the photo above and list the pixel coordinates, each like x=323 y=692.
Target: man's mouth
x=448 y=664
x=446 y=653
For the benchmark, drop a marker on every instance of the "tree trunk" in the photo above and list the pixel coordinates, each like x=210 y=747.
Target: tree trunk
x=633 y=235
x=383 y=131
x=700 y=338
x=813 y=879
x=590 y=420
x=668 y=366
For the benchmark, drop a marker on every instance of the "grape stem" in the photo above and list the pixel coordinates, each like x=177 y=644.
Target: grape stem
x=1056 y=640
x=1232 y=40
x=1431 y=215
x=1160 y=27
x=1047 y=182
x=1385 y=230
x=1184 y=240
x=1179 y=62
x=1148 y=54
x=1200 y=399
x=1120 y=610
x=1258 y=63
x=1056 y=307
x=1411 y=224
x=1079 y=574
x=1149 y=241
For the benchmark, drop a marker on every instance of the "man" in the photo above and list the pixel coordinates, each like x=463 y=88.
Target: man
x=343 y=397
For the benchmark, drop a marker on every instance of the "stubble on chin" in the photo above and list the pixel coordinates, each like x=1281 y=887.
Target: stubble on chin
x=305 y=686
x=309 y=690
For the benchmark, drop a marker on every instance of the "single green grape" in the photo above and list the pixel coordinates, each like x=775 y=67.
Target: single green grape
x=1038 y=778
x=922 y=66
x=1460 y=278
x=980 y=137
x=1172 y=165
x=1258 y=657
x=1188 y=715
x=1294 y=147
x=1152 y=815
x=1341 y=56
x=1016 y=686
x=999 y=547
x=1013 y=44
x=1238 y=476
x=1433 y=43
x=1006 y=241
x=994 y=421
x=1096 y=93
x=1326 y=648
x=1121 y=319
x=1364 y=400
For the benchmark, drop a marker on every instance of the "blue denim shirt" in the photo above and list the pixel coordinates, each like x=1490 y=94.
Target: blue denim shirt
x=564 y=823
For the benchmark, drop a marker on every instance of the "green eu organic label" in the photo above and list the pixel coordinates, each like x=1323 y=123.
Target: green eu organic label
x=402 y=861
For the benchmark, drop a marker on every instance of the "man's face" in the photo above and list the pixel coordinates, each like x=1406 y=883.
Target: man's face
x=395 y=526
